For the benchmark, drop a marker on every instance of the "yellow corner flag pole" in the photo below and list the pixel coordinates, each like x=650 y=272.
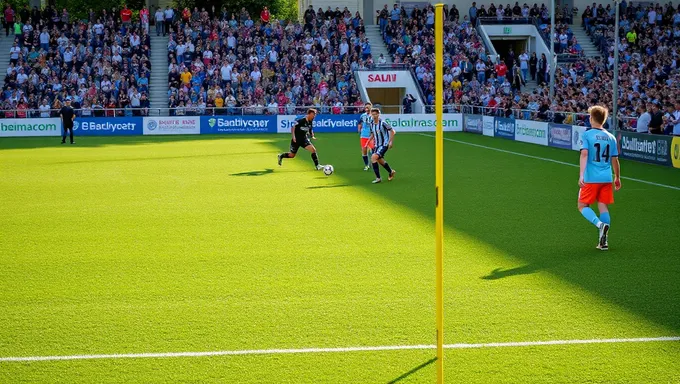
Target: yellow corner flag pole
x=439 y=181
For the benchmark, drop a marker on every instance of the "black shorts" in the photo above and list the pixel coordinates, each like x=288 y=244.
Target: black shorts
x=381 y=151
x=298 y=143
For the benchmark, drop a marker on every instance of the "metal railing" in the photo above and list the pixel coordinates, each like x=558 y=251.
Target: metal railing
x=188 y=111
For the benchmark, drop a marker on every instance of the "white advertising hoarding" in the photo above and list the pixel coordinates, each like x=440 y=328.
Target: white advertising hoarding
x=190 y=125
x=30 y=127
x=534 y=132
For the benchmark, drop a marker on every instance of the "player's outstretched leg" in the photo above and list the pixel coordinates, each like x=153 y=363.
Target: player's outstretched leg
x=286 y=155
x=590 y=215
x=389 y=169
x=315 y=157
x=376 y=168
x=364 y=156
x=606 y=219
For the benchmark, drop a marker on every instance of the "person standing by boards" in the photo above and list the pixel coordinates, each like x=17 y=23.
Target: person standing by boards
x=67 y=115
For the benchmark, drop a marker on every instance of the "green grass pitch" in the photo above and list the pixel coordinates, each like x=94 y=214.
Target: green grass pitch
x=190 y=244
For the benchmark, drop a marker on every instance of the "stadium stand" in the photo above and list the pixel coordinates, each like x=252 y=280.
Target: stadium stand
x=229 y=64
x=102 y=64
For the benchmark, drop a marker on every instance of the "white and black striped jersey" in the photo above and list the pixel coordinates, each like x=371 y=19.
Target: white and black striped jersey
x=381 y=132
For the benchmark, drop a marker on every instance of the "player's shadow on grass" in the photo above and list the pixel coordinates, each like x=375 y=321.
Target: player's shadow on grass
x=500 y=273
x=328 y=186
x=254 y=173
x=412 y=371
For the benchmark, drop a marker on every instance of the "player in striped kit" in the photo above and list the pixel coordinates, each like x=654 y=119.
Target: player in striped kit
x=364 y=126
x=383 y=136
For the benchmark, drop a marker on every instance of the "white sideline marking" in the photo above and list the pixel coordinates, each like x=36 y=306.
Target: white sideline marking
x=549 y=160
x=338 y=350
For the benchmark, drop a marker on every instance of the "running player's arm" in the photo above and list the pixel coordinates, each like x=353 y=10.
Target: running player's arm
x=583 y=162
x=392 y=133
x=292 y=130
x=360 y=124
x=616 y=165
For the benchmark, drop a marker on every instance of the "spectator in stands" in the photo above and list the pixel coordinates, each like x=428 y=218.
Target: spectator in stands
x=473 y=13
x=169 y=15
x=533 y=65
x=144 y=18
x=407 y=103
x=656 y=122
x=644 y=119
x=159 y=18
x=9 y=19
x=265 y=16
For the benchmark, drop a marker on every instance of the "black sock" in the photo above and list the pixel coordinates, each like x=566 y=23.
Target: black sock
x=315 y=158
x=285 y=155
x=387 y=167
x=365 y=160
x=376 y=169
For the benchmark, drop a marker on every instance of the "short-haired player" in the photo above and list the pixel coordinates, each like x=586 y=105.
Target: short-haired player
x=300 y=131
x=364 y=126
x=599 y=154
x=383 y=135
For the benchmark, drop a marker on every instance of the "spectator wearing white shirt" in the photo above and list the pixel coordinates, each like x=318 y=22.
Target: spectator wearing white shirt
x=651 y=16
x=643 y=120
x=564 y=39
x=676 y=119
x=169 y=15
x=160 y=18
x=44 y=108
x=45 y=40
x=135 y=40
x=21 y=77
x=14 y=53
x=256 y=75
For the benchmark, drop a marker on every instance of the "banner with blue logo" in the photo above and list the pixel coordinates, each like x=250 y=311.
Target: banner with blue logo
x=322 y=123
x=504 y=127
x=237 y=124
x=103 y=126
x=474 y=124
x=559 y=135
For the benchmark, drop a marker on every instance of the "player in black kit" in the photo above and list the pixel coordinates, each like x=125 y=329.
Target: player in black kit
x=300 y=130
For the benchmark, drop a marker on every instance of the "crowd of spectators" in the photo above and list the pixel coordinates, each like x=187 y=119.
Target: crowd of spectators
x=649 y=77
x=471 y=78
x=231 y=64
x=101 y=64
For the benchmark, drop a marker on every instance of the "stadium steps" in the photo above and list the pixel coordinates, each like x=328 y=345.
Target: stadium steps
x=158 y=84
x=589 y=49
x=377 y=42
x=5 y=45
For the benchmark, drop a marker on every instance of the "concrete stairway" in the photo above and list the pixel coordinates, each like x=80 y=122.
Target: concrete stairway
x=5 y=45
x=589 y=49
x=378 y=45
x=158 y=84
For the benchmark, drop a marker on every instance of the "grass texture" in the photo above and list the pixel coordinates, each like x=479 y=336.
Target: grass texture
x=173 y=244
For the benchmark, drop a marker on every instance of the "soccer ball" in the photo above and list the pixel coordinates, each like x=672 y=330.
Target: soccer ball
x=328 y=170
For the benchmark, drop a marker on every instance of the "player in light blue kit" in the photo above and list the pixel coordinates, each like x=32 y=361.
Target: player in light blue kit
x=599 y=154
x=365 y=133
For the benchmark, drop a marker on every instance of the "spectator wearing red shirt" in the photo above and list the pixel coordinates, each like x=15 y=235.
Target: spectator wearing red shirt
x=9 y=19
x=144 y=18
x=501 y=71
x=21 y=109
x=125 y=15
x=265 y=16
